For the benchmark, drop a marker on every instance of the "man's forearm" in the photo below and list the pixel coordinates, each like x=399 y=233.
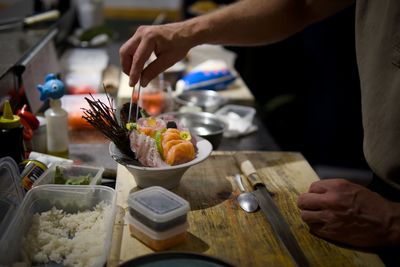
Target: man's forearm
x=255 y=22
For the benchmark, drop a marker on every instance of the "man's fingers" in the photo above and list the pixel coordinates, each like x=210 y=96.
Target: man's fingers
x=126 y=53
x=311 y=201
x=313 y=217
x=318 y=187
x=155 y=68
x=142 y=54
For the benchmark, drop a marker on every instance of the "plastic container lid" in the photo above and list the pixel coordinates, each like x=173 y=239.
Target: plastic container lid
x=158 y=208
x=11 y=193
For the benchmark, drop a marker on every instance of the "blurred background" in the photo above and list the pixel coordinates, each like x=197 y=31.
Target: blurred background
x=305 y=89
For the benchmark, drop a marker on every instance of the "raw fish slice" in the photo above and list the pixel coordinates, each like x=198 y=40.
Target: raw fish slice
x=167 y=146
x=170 y=134
x=180 y=153
x=145 y=149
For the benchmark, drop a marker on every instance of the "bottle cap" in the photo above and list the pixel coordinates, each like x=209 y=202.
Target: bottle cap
x=8 y=120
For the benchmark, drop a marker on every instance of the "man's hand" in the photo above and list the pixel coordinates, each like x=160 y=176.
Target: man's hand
x=166 y=41
x=236 y=24
x=342 y=211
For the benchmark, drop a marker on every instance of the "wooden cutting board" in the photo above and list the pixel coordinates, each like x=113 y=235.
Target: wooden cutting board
x=217 y=225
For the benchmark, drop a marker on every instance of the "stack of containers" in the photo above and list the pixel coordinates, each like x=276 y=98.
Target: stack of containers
x=158 y=217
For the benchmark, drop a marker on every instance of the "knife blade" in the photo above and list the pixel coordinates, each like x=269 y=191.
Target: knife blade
x=272 y=213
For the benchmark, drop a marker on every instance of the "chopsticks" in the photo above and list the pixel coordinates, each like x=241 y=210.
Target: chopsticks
x=137 y=103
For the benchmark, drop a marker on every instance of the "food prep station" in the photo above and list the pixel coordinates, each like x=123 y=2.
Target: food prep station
x=188 y=212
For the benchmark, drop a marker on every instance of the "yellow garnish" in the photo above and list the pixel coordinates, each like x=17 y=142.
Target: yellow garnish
x=131 y=126
x=152 y=121
x=185 y=135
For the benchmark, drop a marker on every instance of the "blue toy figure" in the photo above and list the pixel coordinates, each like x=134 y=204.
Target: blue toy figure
x=52 y=88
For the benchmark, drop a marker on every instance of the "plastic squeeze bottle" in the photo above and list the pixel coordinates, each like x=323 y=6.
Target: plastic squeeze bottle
x=11 y=135
x=56 y=116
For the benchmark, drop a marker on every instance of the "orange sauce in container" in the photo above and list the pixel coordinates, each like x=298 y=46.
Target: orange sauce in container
x=158 y=240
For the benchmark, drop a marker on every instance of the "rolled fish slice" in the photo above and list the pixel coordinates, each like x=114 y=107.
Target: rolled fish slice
x=180 y=153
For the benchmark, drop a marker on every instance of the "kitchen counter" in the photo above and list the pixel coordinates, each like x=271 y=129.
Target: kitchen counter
x=219 y=228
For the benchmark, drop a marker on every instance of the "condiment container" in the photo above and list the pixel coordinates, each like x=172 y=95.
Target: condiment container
x=56 y=116
x=11 y=134
x=68 y=198
x=158 y=217
x=57 y=129
x=31 y=170
x=71 y=174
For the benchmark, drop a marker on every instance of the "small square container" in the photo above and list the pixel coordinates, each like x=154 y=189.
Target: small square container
x=72 y=174
x=159 y=215
x=70 y=199
x=11 y=192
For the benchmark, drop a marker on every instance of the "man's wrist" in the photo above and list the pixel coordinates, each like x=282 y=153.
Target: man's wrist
x=196 y=30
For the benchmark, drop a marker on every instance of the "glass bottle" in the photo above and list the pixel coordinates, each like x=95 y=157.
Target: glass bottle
x=11 y=135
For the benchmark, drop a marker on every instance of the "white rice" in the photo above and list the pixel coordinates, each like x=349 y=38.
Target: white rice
x=68 y=239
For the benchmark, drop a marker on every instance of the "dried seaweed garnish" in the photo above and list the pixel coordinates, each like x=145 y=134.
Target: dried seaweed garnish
x=102 y=117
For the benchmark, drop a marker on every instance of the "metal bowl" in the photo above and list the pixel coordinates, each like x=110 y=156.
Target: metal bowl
x=202 y=124
x=207 y=100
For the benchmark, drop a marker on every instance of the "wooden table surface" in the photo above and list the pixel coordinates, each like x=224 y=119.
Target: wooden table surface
x=217 y=225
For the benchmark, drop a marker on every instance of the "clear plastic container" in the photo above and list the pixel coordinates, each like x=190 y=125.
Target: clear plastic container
x=11 y=192
x=158 y=208
x=71 y=174
x=239 y=119
x=244 y=113
x=158 y=217
x=71 y=199
x=155 y=239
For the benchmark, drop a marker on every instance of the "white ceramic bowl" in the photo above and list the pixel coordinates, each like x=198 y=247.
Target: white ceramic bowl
x=167 y=177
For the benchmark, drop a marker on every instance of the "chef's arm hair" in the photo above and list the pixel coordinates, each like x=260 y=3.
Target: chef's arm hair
x=256 y=22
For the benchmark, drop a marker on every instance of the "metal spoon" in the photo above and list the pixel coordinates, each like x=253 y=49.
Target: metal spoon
x=247 y=200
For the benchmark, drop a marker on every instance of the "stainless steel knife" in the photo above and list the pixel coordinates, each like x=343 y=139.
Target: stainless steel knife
x=272 y=213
